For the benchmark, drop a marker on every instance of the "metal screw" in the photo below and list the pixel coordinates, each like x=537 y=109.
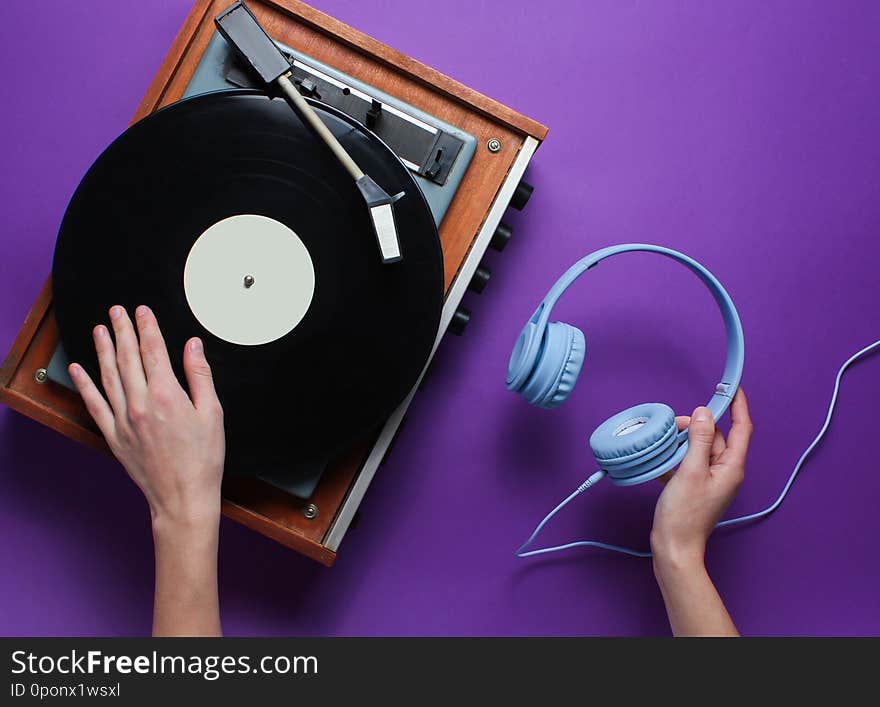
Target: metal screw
x=248 y=281
x=494 y=145
x=41 y=375
x=310 y=511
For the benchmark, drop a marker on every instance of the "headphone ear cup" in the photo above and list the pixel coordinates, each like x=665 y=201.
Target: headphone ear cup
x=558 y=365
x=523 y=357
x=636 y=440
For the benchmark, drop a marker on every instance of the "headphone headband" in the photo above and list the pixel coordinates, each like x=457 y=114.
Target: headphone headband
x=529 y=346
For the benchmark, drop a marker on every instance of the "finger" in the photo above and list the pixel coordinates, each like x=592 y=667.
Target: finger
x=128 y=355
x=681 y=422
x=154 y=352
x=740 y=429
x=109 y=372
x=97 y=407
x=718 y=445
x=198 y=376
x=701 y=435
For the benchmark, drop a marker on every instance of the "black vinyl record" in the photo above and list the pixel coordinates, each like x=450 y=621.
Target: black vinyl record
x=368 y=329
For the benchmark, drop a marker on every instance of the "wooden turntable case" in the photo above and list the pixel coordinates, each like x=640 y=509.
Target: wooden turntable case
x=464 y=233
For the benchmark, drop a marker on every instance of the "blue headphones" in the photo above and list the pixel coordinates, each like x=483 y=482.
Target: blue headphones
x=642 y=442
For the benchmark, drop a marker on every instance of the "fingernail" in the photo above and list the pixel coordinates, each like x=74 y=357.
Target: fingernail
x=196 y=346
x=73 y=370
x=100 y=331
x=142 y=311
x=701 y=414
x=116 y=311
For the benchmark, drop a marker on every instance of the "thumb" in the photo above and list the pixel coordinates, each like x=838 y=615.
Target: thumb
x=701 y=434
x=198 y=374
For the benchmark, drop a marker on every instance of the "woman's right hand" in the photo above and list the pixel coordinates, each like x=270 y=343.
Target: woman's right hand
x=170 y=443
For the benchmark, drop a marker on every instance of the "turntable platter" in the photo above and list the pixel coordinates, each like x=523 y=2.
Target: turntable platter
x=227 y=217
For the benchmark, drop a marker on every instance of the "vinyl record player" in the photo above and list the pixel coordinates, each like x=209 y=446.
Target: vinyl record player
x=455 y=159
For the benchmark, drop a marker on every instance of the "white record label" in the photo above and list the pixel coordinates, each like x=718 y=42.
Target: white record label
x=249 y=279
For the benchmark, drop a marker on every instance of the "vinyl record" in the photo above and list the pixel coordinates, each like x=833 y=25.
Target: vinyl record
x=234 y=223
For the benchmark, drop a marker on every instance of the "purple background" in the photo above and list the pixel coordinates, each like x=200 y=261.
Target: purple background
x=744 y=134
